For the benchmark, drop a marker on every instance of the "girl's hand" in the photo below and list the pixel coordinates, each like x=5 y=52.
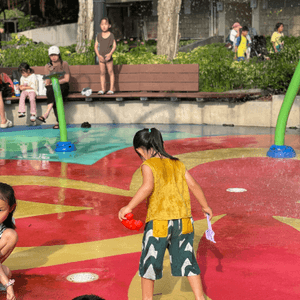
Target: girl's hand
x=107 y=57
x=101 y=58
x=207 y=210
x=124 y=211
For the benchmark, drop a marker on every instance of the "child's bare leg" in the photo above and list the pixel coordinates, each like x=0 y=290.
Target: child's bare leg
x=4 y=279
x=7 y=271
x=8 y=242
x=49 y=107
x=147 y=289
x=2 y=111
x=196 y=285
x=102 y=76
x=110 y=70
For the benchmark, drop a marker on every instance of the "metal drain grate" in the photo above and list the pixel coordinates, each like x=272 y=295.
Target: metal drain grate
x=82 y=277
x=236 y=190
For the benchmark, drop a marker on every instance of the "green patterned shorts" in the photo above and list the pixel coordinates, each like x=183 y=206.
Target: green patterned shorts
x=180 y=246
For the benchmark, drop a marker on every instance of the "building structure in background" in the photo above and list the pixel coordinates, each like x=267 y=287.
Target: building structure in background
x=199 y=19
x=205 y=18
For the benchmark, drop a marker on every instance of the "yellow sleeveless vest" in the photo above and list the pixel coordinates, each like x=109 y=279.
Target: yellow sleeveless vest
x=170 y=198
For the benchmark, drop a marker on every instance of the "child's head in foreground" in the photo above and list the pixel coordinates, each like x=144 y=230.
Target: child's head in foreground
x=150 y=141
x=88 y=297
x=8 y=205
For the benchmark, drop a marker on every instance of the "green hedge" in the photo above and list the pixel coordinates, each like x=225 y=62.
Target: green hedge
x=218 y=70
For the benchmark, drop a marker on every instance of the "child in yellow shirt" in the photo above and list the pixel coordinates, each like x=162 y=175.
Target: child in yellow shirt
x=276 y=38
x=169 y=222
x=242 y=44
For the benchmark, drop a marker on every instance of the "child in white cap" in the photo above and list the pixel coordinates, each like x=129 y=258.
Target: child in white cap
x=234 y=33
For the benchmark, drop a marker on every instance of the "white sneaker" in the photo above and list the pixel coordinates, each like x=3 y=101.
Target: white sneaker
x=32 y=118
x=7 y=124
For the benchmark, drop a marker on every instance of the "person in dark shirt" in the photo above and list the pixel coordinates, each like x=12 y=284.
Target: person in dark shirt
x=105 y=46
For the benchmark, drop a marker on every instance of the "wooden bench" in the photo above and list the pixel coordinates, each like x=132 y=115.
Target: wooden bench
x=138 y=81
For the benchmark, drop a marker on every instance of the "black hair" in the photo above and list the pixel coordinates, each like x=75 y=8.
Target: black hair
x=278 y=25
x=106 y=19
x=150 y=138
x=59 y=58
x=88 y=297
x=24 y=67
x=245 y=28
x=7 y=194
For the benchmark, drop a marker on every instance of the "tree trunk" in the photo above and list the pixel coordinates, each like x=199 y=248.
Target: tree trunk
x=168 y=27
x=58 y=4
x=85 y=31
x=42 y=8
x=29 y=7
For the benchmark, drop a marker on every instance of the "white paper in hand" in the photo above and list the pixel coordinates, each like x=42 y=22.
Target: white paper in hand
x=209 y=232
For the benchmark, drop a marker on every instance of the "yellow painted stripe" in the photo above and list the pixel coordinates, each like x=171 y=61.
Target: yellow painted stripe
x=27 y=209
x=63 y=183
x=44 y=256
x=295 y=223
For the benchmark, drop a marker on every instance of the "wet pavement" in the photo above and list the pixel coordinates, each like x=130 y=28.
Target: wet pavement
x=67 y=212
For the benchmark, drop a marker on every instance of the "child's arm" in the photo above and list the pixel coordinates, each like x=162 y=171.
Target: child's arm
x=101 y=58
x=275 y=49
x=47 y=72
x=198 y=193
x=143 y=192
x=108 y=55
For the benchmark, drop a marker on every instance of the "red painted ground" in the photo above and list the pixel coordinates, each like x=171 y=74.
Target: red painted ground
x=256 y=257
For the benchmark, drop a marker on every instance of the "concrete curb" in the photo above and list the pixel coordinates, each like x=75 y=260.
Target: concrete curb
x=250 y=113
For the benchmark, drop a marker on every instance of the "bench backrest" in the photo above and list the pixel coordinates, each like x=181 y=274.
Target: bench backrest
x=133 y=78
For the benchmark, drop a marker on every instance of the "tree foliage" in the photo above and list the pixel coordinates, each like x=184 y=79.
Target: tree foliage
x=45 y=12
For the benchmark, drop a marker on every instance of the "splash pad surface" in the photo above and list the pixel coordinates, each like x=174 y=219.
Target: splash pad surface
x=67 y=213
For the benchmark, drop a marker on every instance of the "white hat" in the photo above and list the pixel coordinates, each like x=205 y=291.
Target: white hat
x=53 y=50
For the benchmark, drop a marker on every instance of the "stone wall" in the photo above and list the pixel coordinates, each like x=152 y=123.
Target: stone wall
x=190 y=26
x=250 y=113
x=194 y=25
x=61 y=35
x=283 y=12
x=237 y=12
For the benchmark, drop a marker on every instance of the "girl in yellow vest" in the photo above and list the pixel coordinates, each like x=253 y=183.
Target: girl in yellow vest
x=242 y=44
x=169 y=223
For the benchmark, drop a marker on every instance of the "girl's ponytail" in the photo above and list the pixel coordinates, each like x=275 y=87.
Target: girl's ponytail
x=151 y=138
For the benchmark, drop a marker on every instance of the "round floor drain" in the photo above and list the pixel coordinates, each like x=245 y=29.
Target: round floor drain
x=82 y=277
x=236 y=190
